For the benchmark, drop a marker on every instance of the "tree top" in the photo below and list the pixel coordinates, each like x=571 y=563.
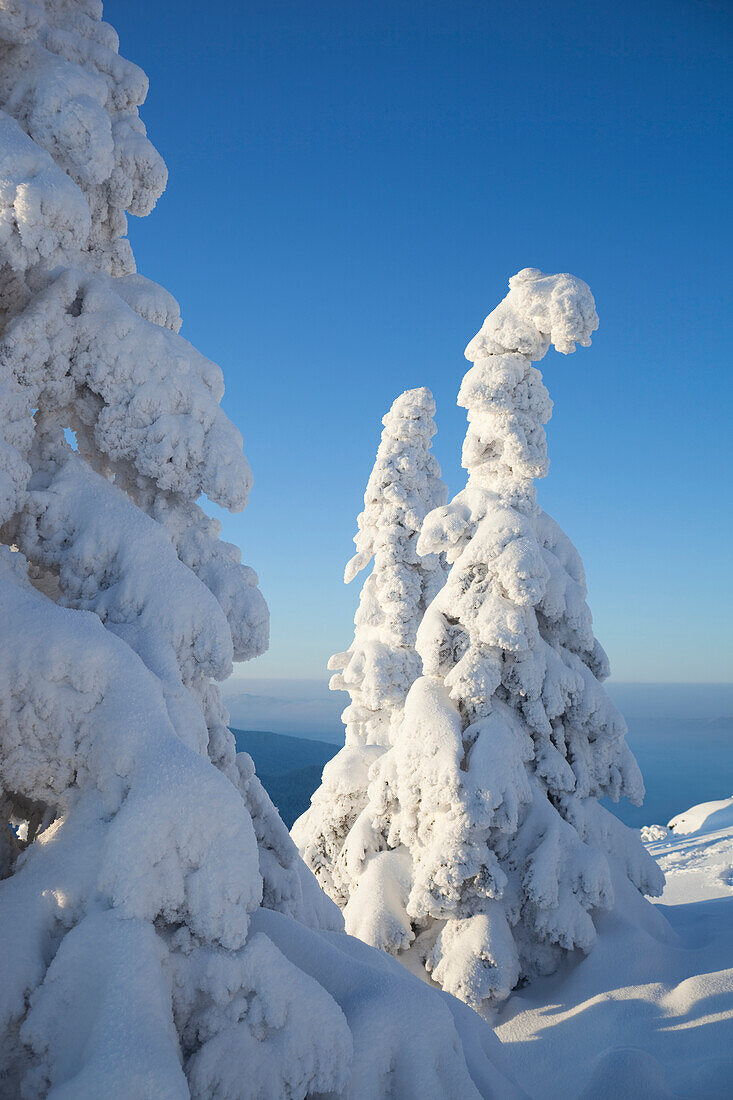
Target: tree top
x=539 y=310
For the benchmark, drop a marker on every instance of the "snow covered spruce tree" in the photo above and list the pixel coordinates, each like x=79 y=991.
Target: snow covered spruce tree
x=160 y=934
x=335 y=835
x=490 y=791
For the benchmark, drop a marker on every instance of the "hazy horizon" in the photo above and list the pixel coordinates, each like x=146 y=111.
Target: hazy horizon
x=680 y=734
x=305 y=707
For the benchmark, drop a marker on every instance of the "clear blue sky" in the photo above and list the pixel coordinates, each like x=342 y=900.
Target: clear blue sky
x=351 y=184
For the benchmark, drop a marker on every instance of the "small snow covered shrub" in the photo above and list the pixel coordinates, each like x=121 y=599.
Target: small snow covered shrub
x=651 y=833
x=335 y=835
x=495 y=853
x=159 y=934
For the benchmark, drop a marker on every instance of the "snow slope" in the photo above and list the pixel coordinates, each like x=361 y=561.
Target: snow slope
x=649 y=1012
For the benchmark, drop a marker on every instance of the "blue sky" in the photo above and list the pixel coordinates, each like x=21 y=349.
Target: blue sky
x=351 y=185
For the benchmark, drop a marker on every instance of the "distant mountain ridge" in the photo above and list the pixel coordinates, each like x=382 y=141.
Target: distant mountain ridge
x=308 y=708
x=289 y=768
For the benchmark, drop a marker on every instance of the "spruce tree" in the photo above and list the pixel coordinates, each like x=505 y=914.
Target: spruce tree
x=508 y=741
x=335 y=835
x=160 y=934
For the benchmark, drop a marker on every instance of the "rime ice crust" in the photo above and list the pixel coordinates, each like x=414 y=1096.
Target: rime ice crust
x=499 y=852
x=160 y=934
x=335 y=835
x=539 y=310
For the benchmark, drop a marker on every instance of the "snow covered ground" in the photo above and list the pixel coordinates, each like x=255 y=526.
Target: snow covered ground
x=649 y=1013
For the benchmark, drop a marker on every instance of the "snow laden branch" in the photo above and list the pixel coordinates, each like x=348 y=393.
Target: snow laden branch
x=487 y=801
x=335 y=835
x=160 y=934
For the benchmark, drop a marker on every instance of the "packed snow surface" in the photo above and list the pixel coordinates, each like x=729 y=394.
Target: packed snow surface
x=649 y=1012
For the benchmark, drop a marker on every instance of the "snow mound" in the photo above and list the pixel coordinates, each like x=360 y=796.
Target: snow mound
x=451 y=1054
x=699 y=863
x=705 y=818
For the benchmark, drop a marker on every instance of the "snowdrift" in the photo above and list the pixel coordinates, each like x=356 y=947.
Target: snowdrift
x=649 y=1012
x=705 y=818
